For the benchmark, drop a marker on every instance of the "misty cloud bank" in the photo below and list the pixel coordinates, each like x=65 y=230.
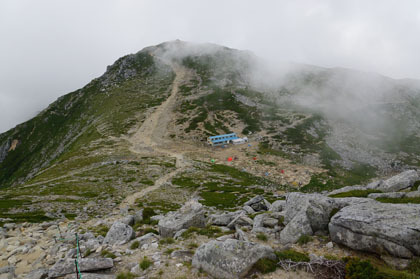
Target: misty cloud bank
x=46 y=51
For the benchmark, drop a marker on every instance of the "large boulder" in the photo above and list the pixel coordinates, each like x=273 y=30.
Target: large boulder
x=190 y=215
x=277 y=206
x=92 y=276
x=67 y=266
x=309 y=213
x=298 y=226
x=397 y=183
x=258 y=203
x=379 y=227
x=119 y=233
x=230 y=258
x=41 y=273
x=223 y=219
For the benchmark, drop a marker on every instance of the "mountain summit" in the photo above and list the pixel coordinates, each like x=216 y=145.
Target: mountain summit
x=323 y=153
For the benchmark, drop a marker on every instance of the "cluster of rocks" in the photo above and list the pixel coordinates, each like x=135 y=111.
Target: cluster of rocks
x=358 y=223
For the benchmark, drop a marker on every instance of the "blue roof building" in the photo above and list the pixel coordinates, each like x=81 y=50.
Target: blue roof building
x=221 y=139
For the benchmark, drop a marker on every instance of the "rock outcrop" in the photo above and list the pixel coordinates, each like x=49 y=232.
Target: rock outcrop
x=230 y=258
x=191 y=214
x=67 y=266
x=397 y=183
x=380 y=228
x=309 y=213
x=119 y=233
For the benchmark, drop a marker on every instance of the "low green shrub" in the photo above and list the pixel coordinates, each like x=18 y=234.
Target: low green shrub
x=303 y=239
x=145 y=263
x=415 y=186
x=108 y=254
x=126 y=275
x=135 y=245
x=399 y=200
x=414 y=266
x=355 y=193
x=168 y=240
x=262 y=237
x=292 y=255
x=360 y=269
x=265 y=265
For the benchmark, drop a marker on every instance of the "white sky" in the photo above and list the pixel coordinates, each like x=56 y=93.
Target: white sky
x=50 y=47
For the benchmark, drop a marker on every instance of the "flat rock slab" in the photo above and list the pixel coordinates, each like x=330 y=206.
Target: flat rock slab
x=92 y=276
x=379 y=227
x=190 y=215
x=119 y=233
x=67 y=266
x=230 y=258
x=399 y=182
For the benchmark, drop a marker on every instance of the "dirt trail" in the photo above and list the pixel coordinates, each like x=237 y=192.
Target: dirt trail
x=151 y=136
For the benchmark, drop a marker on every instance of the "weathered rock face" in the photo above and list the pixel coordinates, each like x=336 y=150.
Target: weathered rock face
x=223 y=219
x=230 y=258
x=191 y=214
x=277 y=206
x=119 y=233
x=398 y=182
x=91 y=276
x=258 y=203
x=309 y=213
x=380 y=228
x=37 y=274
x=298 y=226
x=413 y=194
x=67 y=266
x=7 y=272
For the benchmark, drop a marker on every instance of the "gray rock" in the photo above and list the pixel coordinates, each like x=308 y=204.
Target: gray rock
x=128 y=220
x=147 y=238
x=41 y=273
x=387 y=195
x=399 y=182
x=67 y=266
x=119 y=233
x=138 y=216
x=230 y=258
x=184 y=255
x=9 y=226
x=157 y=218
x=248 y=209
x=240 y=234
x=191 y=214
x=380 y=228
x=223 y=219
x=240 y=220
x=7 y=272
x=270 y=222
x=347 y=189
x=258 y=203
x=317 y=209
x=394 y=195
x=298 y=226
x=277 y=206
x=92 y=276
x=179 y=233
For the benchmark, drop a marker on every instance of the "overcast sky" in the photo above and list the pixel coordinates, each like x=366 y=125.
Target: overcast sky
x=50 y=48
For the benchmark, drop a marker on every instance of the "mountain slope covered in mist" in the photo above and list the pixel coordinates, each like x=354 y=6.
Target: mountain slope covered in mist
x=330 y=127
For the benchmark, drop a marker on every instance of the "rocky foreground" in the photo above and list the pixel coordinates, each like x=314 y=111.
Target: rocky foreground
x=196 y=241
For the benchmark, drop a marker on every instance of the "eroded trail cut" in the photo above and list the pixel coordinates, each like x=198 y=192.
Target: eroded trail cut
x=150 y=137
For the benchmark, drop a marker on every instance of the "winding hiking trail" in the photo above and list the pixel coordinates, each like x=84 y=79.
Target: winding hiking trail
x=150 y=137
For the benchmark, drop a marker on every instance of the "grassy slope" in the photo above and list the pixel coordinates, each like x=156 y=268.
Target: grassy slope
x=68 y=126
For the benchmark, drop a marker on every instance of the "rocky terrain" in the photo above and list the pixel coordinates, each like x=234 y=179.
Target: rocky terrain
x=115 y=180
